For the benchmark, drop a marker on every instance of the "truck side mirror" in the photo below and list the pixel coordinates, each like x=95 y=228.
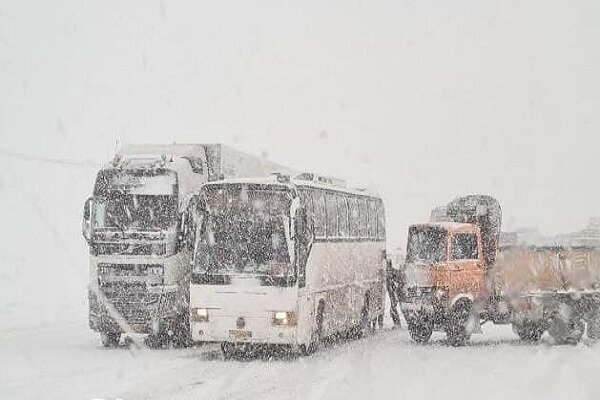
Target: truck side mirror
x=86 y=225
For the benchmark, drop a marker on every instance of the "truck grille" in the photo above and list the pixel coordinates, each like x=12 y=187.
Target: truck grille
x=125 y=286
x=132 y=301
x=143 y=249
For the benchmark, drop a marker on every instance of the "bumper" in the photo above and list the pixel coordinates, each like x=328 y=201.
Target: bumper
x=142 y=313
x=257 y=330
x=419 y=308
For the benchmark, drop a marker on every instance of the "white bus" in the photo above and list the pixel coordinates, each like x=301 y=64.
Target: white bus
x=287 y=262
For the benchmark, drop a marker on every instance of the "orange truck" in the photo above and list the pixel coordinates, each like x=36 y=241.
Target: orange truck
x=457 y=277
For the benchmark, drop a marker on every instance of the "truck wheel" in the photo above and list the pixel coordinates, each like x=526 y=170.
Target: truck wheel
x=529 y=331
x=110 y=339
x=566 y=332
x=420 y=328
x=456 y=327
x=593 y=327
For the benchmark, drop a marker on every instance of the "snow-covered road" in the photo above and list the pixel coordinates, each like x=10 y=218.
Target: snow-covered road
x=66 y=361
x=48 y=352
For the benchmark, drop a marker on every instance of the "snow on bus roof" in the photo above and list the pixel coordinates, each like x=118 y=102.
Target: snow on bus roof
x=359 y=192
x=273 y=180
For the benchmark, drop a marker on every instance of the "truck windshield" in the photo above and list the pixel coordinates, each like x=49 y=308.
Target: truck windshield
x=246 y=231
x=426 y=243
x=135 y=200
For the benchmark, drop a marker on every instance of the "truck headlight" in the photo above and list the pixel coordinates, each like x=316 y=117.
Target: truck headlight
x=285 y=318
x=199 y=314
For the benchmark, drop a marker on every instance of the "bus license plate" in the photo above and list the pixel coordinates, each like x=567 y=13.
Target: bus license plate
x=238 y=334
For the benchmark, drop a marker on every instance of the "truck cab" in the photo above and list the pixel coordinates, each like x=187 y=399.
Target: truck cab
x=446 y=268
x=134 y=227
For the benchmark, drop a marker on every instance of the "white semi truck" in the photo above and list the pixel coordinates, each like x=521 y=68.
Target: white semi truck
x=139 y=277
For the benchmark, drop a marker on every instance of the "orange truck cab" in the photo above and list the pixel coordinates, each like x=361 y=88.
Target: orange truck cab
x=447 y=262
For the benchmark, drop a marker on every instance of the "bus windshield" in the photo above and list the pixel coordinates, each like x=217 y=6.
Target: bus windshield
x=426 y=244
x=135 y=200
x=246 y=231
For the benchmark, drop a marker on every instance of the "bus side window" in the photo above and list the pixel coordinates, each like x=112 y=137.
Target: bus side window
x=342 y=207
x=319 y=213
x=380 y=220
x=353 y=216
x=362 y=217
x=331 y=207
x=304 y=236
x=372 y=219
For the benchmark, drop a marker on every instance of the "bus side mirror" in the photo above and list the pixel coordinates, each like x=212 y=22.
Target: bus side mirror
x=86 y=225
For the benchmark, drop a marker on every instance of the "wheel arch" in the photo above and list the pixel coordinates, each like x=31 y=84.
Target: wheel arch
x=462 y=298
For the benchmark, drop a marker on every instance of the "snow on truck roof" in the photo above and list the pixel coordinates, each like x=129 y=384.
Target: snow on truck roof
x=449 y=226
x=156 y=150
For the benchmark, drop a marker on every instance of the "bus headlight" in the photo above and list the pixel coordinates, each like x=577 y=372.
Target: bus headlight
x=285 y=318
x=199 y=315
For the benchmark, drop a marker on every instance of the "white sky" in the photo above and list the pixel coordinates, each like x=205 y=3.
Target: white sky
x=425 y=99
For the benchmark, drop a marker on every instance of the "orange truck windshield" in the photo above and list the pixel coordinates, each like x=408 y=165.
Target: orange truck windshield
x=427 y=244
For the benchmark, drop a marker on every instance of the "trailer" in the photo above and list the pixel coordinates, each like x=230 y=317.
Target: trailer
x=550 y=288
